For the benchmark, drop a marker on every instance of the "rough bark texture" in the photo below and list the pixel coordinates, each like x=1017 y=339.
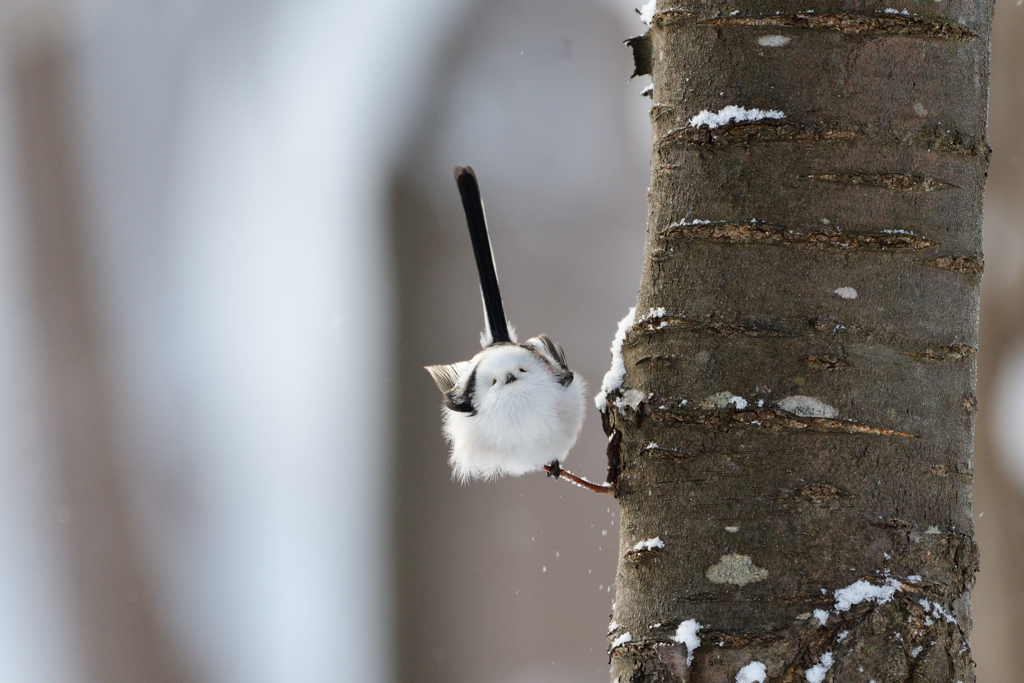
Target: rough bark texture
x=800 y=416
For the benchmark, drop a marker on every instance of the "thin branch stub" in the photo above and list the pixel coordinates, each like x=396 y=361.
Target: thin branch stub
x=555 y=470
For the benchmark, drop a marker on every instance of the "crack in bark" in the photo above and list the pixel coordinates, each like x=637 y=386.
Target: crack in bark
x=614 y=461
x=825 y=362
x=670 y=16
x=637 y=555
x=795 y=327
x=934 y=138
x=820 y=493
x=894 y=182
x=953 y=352
x=771 y=419
x=614 y=448
x=659 y=109
x=666 y=169
x=854 y=23
x=721 y=329
x=661 y=452
x=726 y=232
x=959 y=264
x=892 y=523
x=745 y=132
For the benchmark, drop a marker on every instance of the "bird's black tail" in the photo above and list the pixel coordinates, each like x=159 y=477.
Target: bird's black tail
x=474 y=206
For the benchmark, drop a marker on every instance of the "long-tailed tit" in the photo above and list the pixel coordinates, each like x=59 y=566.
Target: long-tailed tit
x=513 y=408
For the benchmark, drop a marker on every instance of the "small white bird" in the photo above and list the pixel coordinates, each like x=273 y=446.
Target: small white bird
x=513 y=408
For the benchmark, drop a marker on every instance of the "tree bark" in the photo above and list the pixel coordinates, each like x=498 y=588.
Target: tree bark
x=795 y=425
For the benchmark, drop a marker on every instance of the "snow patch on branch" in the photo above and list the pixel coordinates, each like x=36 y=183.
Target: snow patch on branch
x=650 y=544
x=632 y=398
x=862 y=591
x=622 y=640
x=687 y=634
x=755 y=672
x=936 y=610
x=733 y=113
x=613 y=378
x=647 y=12
x=816 y=674
x=686 y=223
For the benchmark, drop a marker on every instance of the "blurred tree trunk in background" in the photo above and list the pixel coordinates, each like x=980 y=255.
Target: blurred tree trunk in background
x=114 y=609
x=798 y=407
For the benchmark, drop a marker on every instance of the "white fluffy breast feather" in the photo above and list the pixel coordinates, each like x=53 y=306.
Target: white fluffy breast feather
x=524 y=418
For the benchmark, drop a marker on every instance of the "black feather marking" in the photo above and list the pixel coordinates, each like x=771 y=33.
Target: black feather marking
x=463 y=403
x=472 y=203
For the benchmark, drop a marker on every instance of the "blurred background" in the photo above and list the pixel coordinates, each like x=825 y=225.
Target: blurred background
x=230 y=240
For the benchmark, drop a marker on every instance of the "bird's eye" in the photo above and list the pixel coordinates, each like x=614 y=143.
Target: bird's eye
x=522 y=369
x=494 y=381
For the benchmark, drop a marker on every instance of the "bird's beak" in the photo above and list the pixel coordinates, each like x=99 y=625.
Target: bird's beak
x=509 y=378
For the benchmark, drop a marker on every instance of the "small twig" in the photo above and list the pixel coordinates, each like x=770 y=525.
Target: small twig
x=558 y=473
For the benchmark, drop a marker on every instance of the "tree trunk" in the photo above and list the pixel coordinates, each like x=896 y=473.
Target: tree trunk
x=793 y=437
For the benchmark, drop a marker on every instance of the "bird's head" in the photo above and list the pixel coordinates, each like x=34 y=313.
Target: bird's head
x=509 y=367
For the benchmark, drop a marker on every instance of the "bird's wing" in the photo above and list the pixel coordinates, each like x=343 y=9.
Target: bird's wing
x=447 y=378
x=551 y=348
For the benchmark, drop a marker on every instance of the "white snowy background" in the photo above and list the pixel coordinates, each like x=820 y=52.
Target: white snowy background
x=229 y=240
